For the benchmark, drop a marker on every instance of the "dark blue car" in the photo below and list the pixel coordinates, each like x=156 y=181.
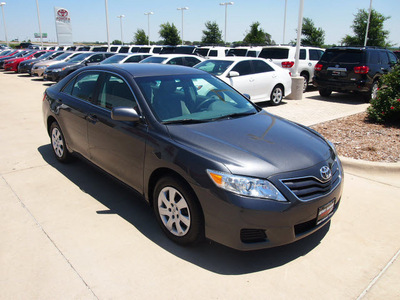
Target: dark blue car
x=210 y=163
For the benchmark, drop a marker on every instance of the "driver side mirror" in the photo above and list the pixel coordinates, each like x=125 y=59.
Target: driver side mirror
x=125 y=114
x=233 y=74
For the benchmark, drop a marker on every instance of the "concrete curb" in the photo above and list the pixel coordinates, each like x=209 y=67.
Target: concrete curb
x=387 y=173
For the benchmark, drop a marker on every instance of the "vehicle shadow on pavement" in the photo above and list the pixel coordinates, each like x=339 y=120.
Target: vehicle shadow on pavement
x=123 y=201
x=343 y=98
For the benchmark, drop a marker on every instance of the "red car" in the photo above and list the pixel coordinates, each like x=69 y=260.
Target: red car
x=12 y=64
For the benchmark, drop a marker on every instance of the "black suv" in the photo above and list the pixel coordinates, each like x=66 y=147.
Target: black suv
x=352 y=69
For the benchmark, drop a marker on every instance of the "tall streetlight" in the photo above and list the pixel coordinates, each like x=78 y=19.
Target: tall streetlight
x=369 y=20
x=108 y=31
x=40 y=27
x=120 y=21
x=4 y=21
x=182 y=9
x=226 y=14
x=148 y=25
x=284 y=23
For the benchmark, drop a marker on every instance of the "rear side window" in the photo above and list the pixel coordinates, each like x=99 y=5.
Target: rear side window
x=342 y=56
x=303 y=54
x=83 y=87
x=213 y=53
x=175 y=61
x=261 y=67
x=274 y=53
x=191 y=61
x=374 y=57
x=316 y=54
x=135 y=58
x=384 y=57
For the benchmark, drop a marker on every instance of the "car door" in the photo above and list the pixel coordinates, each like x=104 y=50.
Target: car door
x=265 y=78
x=244 y=82
x=73 y=108
x=118 y=147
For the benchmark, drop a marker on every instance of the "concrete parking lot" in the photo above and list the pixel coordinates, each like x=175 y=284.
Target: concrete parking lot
x=72 y=232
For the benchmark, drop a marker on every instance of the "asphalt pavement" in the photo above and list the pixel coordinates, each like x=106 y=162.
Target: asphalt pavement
x=72 y=232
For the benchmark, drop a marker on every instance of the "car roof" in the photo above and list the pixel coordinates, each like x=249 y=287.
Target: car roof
x=235 y=58
x=175 y=55
x=145 y=70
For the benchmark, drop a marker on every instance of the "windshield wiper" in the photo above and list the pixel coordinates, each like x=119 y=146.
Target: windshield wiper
x=185 y=121
x=235 y=115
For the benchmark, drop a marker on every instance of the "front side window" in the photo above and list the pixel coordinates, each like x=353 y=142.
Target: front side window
x=315 y=54
x=175 y=61
x=243 y=68
x=83 y=87
x=191 y=61
x=115 y=92
x=96 y=58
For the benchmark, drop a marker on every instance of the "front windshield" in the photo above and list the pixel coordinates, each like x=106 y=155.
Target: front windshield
x=192 y=98
x=115 y=59
x=215 y=67
x=46 y=54
x=63 y=56
x=153 y=59
x=79 y=58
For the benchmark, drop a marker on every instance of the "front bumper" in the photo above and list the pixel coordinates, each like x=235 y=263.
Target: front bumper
x=245 y=223
x=37 y=71
x=52 y=76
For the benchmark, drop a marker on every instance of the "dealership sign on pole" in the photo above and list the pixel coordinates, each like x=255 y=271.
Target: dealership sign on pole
x=63 y=26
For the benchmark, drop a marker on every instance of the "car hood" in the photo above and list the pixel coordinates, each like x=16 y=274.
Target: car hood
x=258 y=145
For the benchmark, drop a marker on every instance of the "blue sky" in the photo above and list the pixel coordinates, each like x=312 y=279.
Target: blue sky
x=88 y=17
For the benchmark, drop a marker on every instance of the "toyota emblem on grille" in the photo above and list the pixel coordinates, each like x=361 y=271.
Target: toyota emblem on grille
x=326 y=173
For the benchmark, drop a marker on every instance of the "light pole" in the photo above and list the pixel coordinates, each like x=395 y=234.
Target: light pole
x=148 y=25
x=226 y=14
x=40 y=27
x=108 y=31
x=284 y=23
x=182 y=9
x=120 y=21
x=369 y=20
x=4 y=21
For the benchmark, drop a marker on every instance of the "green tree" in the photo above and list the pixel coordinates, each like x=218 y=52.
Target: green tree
x=377 y=36
x=170 y=34
x=312 y=36
x=140 y=38
x=212 y=35
x=257 y=36
x=116 y=42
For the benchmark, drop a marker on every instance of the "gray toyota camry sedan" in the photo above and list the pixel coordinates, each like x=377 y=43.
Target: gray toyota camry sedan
x=209 y=162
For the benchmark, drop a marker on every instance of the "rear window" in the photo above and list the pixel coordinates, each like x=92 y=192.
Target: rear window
x=342 y=56
x=274 y=53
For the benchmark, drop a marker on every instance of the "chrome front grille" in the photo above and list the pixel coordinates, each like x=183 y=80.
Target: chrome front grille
x=308 y=188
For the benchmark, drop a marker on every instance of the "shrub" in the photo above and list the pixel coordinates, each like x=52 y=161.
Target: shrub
x=386 y=106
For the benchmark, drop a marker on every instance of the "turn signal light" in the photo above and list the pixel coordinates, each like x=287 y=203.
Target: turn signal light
x=318 y=67
x=287 y=64
x=361 y=70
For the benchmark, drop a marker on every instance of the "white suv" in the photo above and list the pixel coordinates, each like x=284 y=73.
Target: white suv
x=284 y=56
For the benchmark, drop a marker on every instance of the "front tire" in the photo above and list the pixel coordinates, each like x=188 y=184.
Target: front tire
x=276 y=95
x=58 y=143
x=178 y=211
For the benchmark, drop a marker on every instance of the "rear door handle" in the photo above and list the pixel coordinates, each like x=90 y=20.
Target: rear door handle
x=92 y=118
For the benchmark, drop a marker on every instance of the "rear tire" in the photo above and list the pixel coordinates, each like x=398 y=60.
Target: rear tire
x=58 y=143
x=325 y=92
x=178 y=211
x=305 y=84
x=276 y=95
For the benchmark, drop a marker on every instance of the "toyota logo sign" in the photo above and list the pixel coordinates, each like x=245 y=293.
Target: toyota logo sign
x=62 y=12
x=326 y=173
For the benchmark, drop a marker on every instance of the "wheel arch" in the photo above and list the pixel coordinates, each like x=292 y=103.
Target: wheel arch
x=50 y=121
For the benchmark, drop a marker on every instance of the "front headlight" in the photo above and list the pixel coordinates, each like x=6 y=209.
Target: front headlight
x=42 y=67
x=58 y=70
x=332 y=145
x=246 y=186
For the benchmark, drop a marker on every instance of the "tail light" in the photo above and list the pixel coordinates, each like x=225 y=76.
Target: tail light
x=318 y=67
x=44 y=96
x=287 y=64
x=361 y=70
